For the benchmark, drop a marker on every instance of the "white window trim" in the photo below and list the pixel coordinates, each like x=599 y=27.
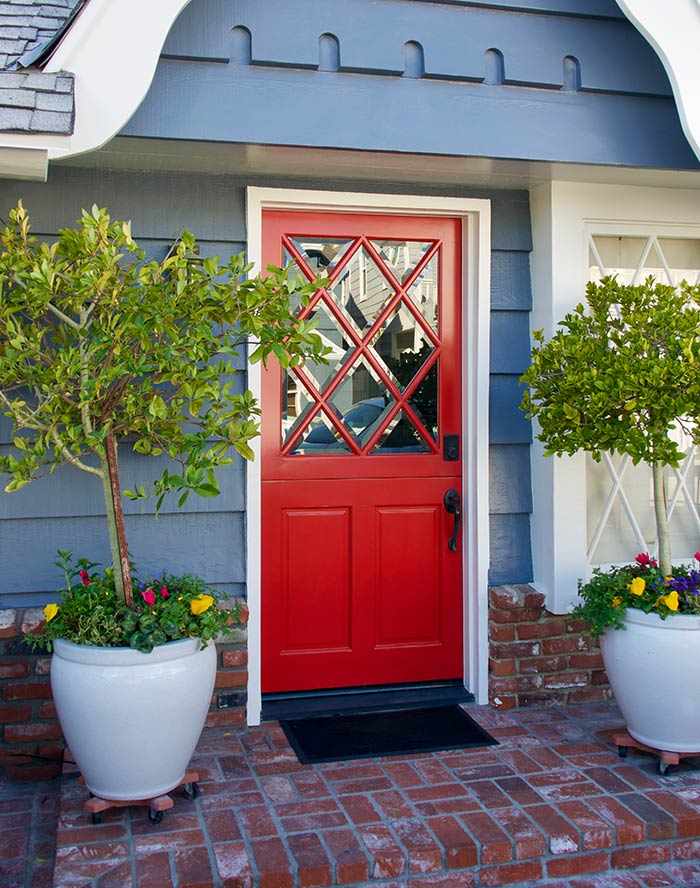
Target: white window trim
x=564 y=215
x=476 y=283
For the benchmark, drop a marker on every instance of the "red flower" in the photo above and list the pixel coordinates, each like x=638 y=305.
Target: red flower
x=149 y=596
x=643 y=559
x=84 y=577
x=164 y=593
x=697 y=556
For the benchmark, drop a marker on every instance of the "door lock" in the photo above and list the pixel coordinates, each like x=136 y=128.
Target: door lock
x=453 y=507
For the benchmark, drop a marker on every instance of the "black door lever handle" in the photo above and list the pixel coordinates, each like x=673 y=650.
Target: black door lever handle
x=452 y=505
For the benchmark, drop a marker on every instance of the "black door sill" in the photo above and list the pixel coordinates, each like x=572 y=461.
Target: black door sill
x=365 y=699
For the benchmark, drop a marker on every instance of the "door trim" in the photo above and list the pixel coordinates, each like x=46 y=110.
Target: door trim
x=476 y=282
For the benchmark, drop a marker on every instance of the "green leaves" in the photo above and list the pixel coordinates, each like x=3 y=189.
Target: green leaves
x=616 y=376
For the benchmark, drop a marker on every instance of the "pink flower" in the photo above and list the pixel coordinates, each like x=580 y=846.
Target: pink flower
x=84 y=577
x=164 y=593
x=149 y=596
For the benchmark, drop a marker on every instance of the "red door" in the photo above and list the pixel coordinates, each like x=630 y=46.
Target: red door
x=359 y=584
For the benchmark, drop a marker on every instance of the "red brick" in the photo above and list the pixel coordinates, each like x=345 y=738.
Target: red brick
x=495 y=845
x=659 y=823
x=35 y=731
x=512 y=597
x=687 y=850
x=541 y=629
x=424 y=854
x=515 y=684
x=387 y=858
x=231 y=679
x=12 y=714
x=33 y=619
x=47 y=709
x=153 y=871
x=234 y=658
x=590 y=660
x=502 y=667
x=627 y=858
x=27 y=690
x=42 y=666
x=511 y=873
x=8 y=623
x=460 y=850
x=14 y=670
x=563 y=838
x=447 y=880
x=527 y=839
x=273 y=864
x=31 y=772
x=688 y=817
x=518 y=789
x=350 y=862
x=193 y=868
x=544 y=698
x=226 y=718
x=589 y=695
x=542 y=665
x=565 y=680
x=360 y=809
x=501 y=632
x=521 y=615
x=233 y=864
x=257 y=822
x=596 y=833
x=517 y=649
x=577 y=865
x=313 y=866
x=629 y=828
x=566 y=645
x=504 y=703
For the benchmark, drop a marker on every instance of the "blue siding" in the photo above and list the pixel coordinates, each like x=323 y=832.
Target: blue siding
x=282 y=98
x=207 y=537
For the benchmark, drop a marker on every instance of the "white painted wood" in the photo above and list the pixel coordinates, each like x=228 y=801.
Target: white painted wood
x=112 y=50
x=564 y=216
x=476 y=216
x=674 y=33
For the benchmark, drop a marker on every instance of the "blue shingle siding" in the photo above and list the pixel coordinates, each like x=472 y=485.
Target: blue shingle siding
x=281 y=96
x=208 y=536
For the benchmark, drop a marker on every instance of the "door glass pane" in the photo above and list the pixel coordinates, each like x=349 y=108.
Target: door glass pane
x=400 y=436
x=334 y=338
x=321 y=437
x=403 y=345
x=322 y=254
x=296 y=404
x=401 y=257
x=362 y=400
x=424 y=401
x=424 y=293
x=361 y=291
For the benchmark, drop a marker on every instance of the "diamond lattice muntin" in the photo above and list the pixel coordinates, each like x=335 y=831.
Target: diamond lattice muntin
x=379 y=318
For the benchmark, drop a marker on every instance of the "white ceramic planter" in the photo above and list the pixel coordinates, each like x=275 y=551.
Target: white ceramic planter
x=652 y=666
x=132 y=720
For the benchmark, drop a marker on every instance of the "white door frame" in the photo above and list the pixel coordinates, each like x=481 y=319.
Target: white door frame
x=476 y=301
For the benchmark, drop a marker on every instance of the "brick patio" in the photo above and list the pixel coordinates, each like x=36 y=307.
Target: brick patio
x=552 y=805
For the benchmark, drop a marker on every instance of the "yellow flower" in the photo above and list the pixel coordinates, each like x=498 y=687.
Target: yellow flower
x=637 y=586
x=201 y=603
x=50 y=612
x=671 y=600
x=617 y=602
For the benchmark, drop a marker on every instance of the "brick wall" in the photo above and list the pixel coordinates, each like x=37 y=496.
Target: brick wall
x=538 y=658
x=31 y=742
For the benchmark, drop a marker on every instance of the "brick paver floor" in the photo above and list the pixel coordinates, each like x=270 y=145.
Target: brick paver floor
x=553 y=805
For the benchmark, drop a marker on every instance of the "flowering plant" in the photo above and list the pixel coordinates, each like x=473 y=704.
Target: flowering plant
x=643 y=586
x=165 y=608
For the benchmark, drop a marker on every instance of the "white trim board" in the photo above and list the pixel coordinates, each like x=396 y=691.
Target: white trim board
x=476 y=285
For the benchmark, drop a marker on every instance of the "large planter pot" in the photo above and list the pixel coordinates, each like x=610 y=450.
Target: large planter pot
x=132 y=720
x=652 y=666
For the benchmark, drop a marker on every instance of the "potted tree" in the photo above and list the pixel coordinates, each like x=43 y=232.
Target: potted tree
x=99 y=346
x=621 y=374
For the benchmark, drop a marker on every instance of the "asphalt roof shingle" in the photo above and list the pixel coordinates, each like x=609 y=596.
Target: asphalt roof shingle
x=32 y=101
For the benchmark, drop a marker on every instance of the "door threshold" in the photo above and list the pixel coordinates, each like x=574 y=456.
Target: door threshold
x=337 y=701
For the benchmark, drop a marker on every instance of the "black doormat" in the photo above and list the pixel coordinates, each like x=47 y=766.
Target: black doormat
x=335 y=738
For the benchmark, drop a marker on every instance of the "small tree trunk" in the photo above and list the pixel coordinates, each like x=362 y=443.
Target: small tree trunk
x=661 y=518
x=115 y=523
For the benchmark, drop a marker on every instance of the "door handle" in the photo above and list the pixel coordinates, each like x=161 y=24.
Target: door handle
x=452 y=506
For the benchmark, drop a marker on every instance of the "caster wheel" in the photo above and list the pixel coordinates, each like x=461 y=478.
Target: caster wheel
x=663 y=768
x=622 y=751
x=97 y=817
x=191 y=791
x=155 y=816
